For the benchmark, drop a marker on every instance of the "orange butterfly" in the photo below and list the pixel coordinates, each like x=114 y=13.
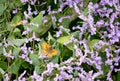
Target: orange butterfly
x=48 y=50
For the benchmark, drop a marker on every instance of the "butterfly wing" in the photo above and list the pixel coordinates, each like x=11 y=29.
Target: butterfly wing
x=52 y=53
x=47 y=50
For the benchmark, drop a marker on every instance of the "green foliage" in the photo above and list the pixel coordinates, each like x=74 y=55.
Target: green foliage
x=91 y=43
x=16 y=19
x=3 y=6
x=2 y=71
x=16 y=51
x=14 y=68
x=3 y=67
x=63 y=39
x=16 y=42
x=38 y=21
x=35 y=60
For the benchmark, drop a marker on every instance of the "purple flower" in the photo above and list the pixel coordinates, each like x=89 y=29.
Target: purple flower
x=56 y=78
x=21 y=78
x=29 y=10
x=36 y=77
x=5 y=43
x=108 y=62
x=24 y=22
x=110 y=3
x=102 y=2
x=116 y=70
x=114 y=39
x=55 y=1
x=100 y=23
x=117 y=51
x=35 y=12
x=95 y=75
x=35 y=38
x=68 y=61
x=108 y=53
x=26 y=58
x=24 y=1
x=26 y=15
x=112 y=18
x=61 y=19
x=54 y=18
x=34 y=24
x=32 y=2
x=61 y=7
x=58 y=33
x=78 y=52
x=109 y=76
x=14 y=11
x=42 y=56
x=95 y=6
x=6 y=77
x=50 y=67
x=24 y=49
x=69 y=3
x=76 y=8
x=64 y=75
x=43 y=12
x=9 y=55
x=90 y=20
x=49 y=10
x=30 y=50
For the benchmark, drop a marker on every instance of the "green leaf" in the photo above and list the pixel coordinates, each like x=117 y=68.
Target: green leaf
x=16 y=51
x=16 y=19
x=65 y=23
x=25 y=65
x=9 y=26
x=40 y=49
x=3 y=65
x=35 y=59
x=70 y=46
x=76 y=34
x=17 y=42
x=92 y=42
x=1 y=49
x=55 y=59
x=54 y=24
x=3 y=7
x=105 y=69
x=14 y=68
x=118 y=76
x=37 y=69
x=2 y=19
x=66 y=53
x=2 y=57
x=17 y=32
x=37 y=20
x=50 y=36
x=75 y=73
x=18 y=3
x=63 y=39
x=85 y=12
x=2 y=71
x=2 y=1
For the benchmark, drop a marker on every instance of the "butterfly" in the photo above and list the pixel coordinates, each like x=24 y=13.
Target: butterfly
x=48 y=50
